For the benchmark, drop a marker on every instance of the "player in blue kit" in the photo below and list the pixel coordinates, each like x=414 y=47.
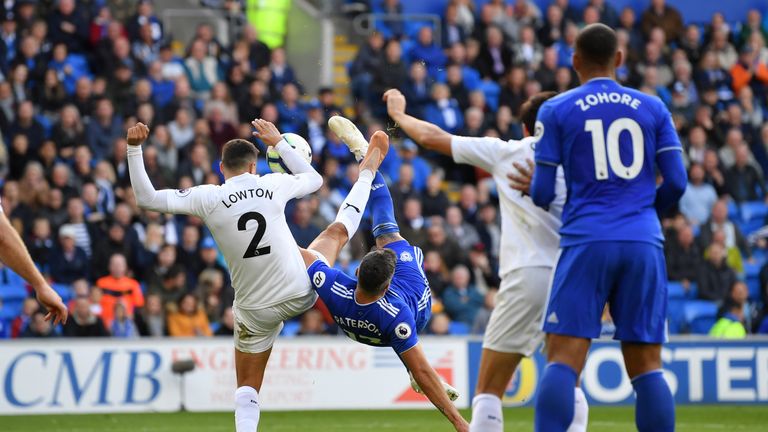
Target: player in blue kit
x=390 y=300
x=608 y=139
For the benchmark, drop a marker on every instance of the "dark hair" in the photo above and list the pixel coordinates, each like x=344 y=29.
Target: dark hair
x=238 y=154
x=376 y=270
x=530 y=109
x=597 y=45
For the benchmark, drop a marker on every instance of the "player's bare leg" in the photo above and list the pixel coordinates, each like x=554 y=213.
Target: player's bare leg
x=250 y=375
x=332 y=239
x=496 y=369
x=385 y=228
x=654 y=407
x=566 y=356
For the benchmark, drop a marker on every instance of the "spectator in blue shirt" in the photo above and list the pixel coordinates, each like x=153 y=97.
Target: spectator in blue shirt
x=421 y=168
x=302 y=228
x=123 y=325
x=462 y=301
x=428 y=52
x=291 y=114
x=103 y=129
x=699 y=197
x=444 y=112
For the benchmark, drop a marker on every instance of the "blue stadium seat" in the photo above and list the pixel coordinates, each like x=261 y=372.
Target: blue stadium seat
x=458 y=328
x=693 y=291
x=491 y=90
x=675 y=315
x=753 y=285
x=700 y=315
x=675 y=290
x=10 y=292
x=11 y=309
x=215 y=327
x=733 y=211
x=752 y=269
x=65 y=291
x=290 y=329
x=753 y=210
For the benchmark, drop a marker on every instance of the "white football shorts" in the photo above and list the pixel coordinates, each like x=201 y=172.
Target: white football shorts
x=257 y=329
x=515 y=324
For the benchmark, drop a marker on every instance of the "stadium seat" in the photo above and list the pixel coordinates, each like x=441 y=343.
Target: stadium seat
x=753 y=210
x=675 y=290
x=752 y=269
x=491 y=90
x=458 y=328
x=700 y=315
x=675 y=315
x=753 y=285
x=733 y=211
x=290 y=329
x=10 y=292
x=10 y=309
x=65 y=291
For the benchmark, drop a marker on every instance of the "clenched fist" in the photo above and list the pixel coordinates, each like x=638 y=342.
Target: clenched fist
x=137 y=134
x=395 y=103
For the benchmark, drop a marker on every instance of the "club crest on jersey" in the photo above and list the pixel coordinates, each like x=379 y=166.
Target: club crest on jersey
x=403 y=331
x=183 y=192
x=406 y=257
x=318 y=279
x=538 y=130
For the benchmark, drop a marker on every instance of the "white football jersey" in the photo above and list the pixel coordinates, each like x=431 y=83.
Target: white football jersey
x=529 y=234
x=246 y=216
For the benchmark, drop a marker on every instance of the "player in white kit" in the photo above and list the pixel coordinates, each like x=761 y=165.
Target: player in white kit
x=246 y=216
x=529 y=246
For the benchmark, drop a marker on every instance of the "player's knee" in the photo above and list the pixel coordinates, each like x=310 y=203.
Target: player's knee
x=337 y=231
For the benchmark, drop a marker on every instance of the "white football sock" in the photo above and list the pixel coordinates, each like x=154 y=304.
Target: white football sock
x=580 y=412
x=351 y=210
x=486 y=414
x=247 y=409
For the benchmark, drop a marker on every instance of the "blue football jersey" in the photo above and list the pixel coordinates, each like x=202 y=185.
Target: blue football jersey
x=606 y=137
x=393 y=320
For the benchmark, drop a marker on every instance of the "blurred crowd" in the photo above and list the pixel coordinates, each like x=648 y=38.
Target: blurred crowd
x=75 y=74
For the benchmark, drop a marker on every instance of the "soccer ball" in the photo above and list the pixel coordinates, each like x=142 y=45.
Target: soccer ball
x=301 y=145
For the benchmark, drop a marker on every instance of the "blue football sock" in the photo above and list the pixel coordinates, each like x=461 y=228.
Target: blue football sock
x=554 y=403
x=382 y=209
x=654 y=408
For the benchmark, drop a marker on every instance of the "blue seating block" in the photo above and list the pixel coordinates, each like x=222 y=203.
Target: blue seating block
x=458 y=328
x=700 y=315
x=753 y=210
x=675 y=290
x=290 y=329
x=753 y=285
x=12 y=292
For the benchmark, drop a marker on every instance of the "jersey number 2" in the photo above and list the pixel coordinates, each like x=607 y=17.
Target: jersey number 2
x=253 y=248
x=613 y=157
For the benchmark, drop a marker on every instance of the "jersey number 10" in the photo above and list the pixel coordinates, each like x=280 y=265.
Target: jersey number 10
x=599 y=139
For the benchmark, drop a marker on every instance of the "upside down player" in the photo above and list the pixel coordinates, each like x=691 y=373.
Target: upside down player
x=611 y=239
x=529 y=242
x=390 y=297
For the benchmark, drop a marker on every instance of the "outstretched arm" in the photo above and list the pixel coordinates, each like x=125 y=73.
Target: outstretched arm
x=191 y=202
x=431 y=386
x=14 y=254
x=309 y=180
x=424 y=133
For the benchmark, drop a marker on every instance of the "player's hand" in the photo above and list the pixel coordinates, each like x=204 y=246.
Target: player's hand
x=267 y=132
x=395 y=102
x=137 y=134
x=52 y=302
x=521 y=180
x=461 y=426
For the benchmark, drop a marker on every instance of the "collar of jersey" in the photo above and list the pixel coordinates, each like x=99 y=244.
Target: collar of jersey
x=596 y=79
x=239 y=177
x=354 y=297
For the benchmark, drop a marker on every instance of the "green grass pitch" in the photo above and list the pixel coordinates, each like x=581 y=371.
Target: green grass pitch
x=602 y=419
